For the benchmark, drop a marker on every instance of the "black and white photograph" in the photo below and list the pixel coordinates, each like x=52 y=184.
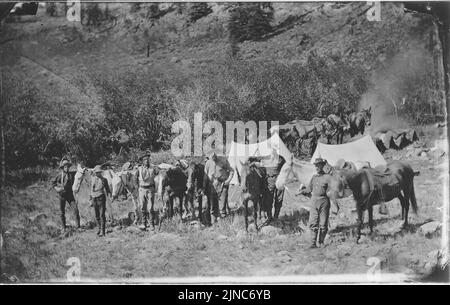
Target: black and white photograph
x=224 y=143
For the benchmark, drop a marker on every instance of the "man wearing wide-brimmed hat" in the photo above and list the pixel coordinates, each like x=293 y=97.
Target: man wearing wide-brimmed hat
x=320 y=203
x=62 y=184
x=99 y=191
x=218 y=174
x=145 y=179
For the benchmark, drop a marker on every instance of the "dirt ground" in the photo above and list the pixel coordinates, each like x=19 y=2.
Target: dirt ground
x=34 y=249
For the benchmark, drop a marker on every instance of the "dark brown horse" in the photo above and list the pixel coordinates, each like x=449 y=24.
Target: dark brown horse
x=372 y=186
x=297 y=131
x=252 y=180
x=195 y=175
x=359 y=121
x=173 y=183
x=339 y=126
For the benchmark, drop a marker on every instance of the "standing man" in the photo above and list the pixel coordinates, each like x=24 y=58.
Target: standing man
x=99 y=191
x=145 y=180
x=216 y=182
x=62 y=184
x=320 y=203
x=273 y=167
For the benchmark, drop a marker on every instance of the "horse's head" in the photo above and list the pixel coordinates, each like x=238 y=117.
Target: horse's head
x=160 y=181
x=79 y=175
x=342 y=181
x=194 y=173
x=337 y=186
x=243 y=175
x=285 y=173
x=367 y=114
x=118 y=184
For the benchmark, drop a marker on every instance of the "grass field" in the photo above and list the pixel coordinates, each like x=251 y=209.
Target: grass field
x=34 y=250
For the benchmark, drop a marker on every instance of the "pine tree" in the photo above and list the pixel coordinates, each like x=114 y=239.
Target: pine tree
x=199 y=10
x=249 y=21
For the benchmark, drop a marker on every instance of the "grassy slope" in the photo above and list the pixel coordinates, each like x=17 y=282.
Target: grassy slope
x=35 y=254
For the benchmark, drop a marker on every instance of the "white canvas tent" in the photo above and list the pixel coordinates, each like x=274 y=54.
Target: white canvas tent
x=241 y=152
x=358 y=152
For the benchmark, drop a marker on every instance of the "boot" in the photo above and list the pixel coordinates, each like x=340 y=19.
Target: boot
x=63 y=222
x=276 y=214
x=322 y=235
x=77 y=219
x=99 y=225
x=136 y=215
x=313 y=240
x=153 y=216
x=145 y=221
x=103 y=228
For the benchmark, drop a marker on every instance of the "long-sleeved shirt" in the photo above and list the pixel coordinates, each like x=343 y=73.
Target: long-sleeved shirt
x=99 y=187
x=65 y=181
x=319 y=184
x=146 y=176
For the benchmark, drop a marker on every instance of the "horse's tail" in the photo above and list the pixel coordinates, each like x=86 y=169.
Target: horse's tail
x=413 y=199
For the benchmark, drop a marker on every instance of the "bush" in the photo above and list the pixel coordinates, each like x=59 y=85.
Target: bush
x=140 y=106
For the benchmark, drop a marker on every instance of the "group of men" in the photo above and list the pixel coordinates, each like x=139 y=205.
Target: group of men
x=217 y=176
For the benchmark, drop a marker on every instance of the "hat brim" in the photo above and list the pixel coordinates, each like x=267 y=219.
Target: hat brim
x=68 y=164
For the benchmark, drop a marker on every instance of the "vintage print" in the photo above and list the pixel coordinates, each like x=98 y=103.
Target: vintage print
x=224 y=142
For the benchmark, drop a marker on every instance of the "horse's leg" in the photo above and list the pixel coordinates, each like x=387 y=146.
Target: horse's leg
x=370 y=211
x=255 y=215
x=405 y=208
x=402 y=204
x=181 y=197
x=200 y=207
x=245 y=202
x=360 y=212
x=170 y=207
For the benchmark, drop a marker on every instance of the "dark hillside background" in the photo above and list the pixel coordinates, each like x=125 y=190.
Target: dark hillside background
x=73 y=88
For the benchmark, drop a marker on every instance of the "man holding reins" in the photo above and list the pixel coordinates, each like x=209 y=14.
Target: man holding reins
x=145 y=179
x=273 y=166
x=216 y=182
x=62 y=184
x=99 y=191
x=320 y=203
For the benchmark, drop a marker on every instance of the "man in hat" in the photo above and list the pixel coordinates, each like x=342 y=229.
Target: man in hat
x=273 y=165
x=216 y=181
x=320 y=203
x=62 y=184
x=145 y=179
x=99 y=191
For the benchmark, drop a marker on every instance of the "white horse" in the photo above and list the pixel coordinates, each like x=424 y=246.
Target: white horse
x=303 y=172
x=108 y=174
